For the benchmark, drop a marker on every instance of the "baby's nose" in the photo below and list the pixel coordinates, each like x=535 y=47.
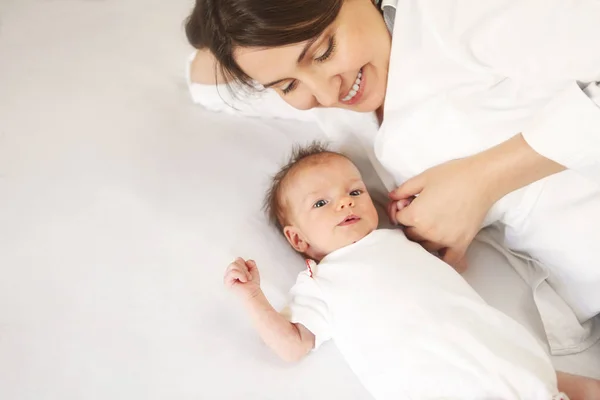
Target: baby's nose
x=346 y=202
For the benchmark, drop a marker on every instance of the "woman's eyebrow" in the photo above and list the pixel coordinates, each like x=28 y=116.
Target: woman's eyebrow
x=300 y=58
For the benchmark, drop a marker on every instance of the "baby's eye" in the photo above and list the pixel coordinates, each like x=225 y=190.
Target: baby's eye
x=356 y=192
x=320 y=203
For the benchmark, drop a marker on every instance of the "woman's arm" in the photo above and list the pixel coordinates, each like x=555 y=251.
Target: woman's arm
x=512 y=165
x=551 y=44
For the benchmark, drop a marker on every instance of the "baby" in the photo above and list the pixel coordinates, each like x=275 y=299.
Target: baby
x=408 y=325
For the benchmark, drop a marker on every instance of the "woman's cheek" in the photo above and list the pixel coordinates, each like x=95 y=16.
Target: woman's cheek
x=300 y=101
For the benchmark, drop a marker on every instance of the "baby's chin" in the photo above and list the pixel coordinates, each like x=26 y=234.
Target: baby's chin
x=347 y=240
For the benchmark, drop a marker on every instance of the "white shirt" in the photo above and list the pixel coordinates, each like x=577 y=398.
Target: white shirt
x=411 y=327
x=532 y=65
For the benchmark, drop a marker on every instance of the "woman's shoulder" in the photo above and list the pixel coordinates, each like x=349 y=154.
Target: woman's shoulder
x=202 y=69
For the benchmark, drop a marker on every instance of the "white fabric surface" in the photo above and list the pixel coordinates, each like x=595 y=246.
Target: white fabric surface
x=120 y=206
x=411 y=327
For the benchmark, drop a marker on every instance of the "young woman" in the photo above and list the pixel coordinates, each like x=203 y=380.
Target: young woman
x=488 y=111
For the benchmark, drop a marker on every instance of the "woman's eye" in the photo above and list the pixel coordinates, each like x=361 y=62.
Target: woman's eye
x=320 y=203
x=356 y=192
x=330 y=49
x=291 y=86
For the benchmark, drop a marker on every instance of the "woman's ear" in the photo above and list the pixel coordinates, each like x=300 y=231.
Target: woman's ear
x=295 y=238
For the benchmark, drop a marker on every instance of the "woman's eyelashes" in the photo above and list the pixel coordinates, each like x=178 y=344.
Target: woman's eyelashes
x=330 y=49
x=291 y=86
x=322 y=58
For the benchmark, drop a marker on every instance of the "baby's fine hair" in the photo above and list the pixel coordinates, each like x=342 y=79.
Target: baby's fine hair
x=273 y=202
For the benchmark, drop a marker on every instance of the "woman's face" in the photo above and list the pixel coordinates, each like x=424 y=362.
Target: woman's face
x=345 y=67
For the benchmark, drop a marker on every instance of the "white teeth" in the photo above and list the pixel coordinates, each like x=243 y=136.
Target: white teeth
x=354 y=88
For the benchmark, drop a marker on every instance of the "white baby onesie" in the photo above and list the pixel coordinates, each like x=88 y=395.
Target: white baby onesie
x=411 y=327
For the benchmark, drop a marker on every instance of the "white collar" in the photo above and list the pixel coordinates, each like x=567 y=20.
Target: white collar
x=389 y=3
x=388 y=8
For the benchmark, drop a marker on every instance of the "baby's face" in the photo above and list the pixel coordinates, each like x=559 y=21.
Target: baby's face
x=328 y=206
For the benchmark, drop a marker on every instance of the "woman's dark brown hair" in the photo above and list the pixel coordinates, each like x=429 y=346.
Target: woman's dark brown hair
x=223 y=25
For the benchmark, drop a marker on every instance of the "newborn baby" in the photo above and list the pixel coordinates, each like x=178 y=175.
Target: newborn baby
x=408 y=324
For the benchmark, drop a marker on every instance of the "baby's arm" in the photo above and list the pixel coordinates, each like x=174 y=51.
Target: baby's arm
x=289 y=341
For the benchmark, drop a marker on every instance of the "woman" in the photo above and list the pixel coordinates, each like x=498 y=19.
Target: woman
x=489 y=111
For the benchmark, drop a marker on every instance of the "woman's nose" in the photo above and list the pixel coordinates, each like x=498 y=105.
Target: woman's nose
x=327 y=99
x=326 y=90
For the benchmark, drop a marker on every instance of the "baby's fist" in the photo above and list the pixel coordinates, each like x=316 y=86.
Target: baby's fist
x=242 y=276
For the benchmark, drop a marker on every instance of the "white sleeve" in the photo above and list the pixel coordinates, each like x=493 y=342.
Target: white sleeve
x=555 y=43
x=219 y=98
x=308 y=308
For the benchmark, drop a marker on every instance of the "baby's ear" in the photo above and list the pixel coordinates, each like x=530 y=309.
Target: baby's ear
x=294 y=236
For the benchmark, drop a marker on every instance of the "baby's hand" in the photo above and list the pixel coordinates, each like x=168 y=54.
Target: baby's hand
x=242 y=276
x=394 y=207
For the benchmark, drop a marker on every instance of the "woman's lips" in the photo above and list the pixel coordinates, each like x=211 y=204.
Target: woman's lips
x=359 y=94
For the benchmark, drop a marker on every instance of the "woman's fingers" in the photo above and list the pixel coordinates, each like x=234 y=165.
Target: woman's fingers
x=413 y=234
x=408 y=189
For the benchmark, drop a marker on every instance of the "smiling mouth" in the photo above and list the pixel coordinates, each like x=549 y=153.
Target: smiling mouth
x=349 y=220
x=357 y=89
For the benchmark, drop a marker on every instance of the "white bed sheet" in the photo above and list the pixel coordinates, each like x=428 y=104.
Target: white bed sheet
x=121 y=204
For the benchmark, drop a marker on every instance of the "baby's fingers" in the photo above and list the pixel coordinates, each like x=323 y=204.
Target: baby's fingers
x=242 y=266
x=235 y=276
x=391 y=211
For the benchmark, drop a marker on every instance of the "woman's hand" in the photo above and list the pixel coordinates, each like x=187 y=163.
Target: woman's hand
x=451 y=200
x=449 y=203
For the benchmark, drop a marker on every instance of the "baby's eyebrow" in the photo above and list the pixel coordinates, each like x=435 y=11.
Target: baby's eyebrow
x=309 y=195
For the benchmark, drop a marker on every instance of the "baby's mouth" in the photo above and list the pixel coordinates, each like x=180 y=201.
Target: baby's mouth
x=349 y=220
